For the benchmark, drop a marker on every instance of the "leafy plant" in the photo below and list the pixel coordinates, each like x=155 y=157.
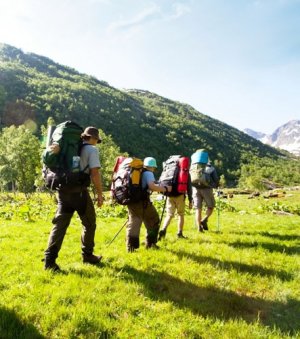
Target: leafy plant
x=19 y=158
x=280 y=206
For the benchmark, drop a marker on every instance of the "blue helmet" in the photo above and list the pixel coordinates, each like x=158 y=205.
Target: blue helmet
x=150 y=162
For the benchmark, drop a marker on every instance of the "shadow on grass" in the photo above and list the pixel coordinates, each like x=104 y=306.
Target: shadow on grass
x=12 y=327
x=233 y=265
x=216 y=303
x=283 y=237
x=271 y=247
x=84 y=271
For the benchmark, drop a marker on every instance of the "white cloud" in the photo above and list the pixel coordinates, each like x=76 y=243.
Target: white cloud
x=150 y=14
x=179 y=10
x=146 y=15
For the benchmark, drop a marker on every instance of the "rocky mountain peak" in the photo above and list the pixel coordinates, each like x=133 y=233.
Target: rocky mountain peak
x=285 y=137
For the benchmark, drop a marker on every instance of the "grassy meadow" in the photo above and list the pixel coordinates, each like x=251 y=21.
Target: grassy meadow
x=238 y=280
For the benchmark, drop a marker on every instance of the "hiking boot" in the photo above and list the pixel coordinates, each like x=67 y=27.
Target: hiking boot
x=52 y=267
x=204 y=224
x=200 y=229
x=133 y=243
x=91 y=258
x=180 y=235
x=161 y=234
x=130 y=249
x=154 y=246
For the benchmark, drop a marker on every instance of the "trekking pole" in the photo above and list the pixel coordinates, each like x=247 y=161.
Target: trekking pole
x=112 y=240
x=163 y=211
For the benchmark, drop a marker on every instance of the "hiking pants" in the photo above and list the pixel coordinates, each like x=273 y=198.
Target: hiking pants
x=68 y=203
x=138 y=213
x=203 y=194
x=175 y=204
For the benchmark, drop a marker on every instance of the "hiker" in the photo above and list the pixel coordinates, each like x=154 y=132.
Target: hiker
x=144 y=210
x=176 y=172
x=77 y=198
x=204 y=178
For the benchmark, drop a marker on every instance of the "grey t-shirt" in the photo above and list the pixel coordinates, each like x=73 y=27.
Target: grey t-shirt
x=89 y=156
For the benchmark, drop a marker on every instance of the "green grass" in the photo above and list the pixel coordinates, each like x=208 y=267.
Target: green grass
x=241 y=282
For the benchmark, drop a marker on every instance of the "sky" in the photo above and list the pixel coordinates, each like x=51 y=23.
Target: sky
x=237 y=61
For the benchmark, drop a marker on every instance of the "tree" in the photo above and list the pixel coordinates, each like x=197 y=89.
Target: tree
x=2 y=103
x=108 y=154
x=19 y=158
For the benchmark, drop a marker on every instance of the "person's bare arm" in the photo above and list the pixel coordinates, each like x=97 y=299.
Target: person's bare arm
x=159 y=188
x=95 y=174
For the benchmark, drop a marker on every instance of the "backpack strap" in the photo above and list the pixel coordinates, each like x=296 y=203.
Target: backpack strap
x=86 y=167
x=80 y=148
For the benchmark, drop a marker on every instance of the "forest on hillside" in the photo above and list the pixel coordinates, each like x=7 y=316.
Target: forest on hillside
x=140 y=123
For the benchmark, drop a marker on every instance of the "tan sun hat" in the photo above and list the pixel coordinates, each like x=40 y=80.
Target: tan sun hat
x=92 y=132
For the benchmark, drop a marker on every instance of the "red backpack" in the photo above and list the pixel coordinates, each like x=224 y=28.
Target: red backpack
x=176 y=174
x=183 y=174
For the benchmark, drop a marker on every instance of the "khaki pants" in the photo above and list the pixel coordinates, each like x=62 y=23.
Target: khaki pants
x=203 y=194
x=176 y=204
x=142 y=212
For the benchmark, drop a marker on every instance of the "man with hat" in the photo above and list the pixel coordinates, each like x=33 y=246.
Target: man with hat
x=77 y=198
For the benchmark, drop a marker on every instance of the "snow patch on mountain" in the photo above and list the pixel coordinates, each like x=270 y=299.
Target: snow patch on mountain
x=285 y=137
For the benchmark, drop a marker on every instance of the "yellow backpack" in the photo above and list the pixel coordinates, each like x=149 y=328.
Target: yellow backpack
x=126 y=184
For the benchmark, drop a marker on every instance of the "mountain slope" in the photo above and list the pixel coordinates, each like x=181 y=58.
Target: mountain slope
x=285 y=137
x=142 y=123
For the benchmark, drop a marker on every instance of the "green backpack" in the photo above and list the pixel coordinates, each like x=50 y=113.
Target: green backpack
x=63 y=168
x=200 y=175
